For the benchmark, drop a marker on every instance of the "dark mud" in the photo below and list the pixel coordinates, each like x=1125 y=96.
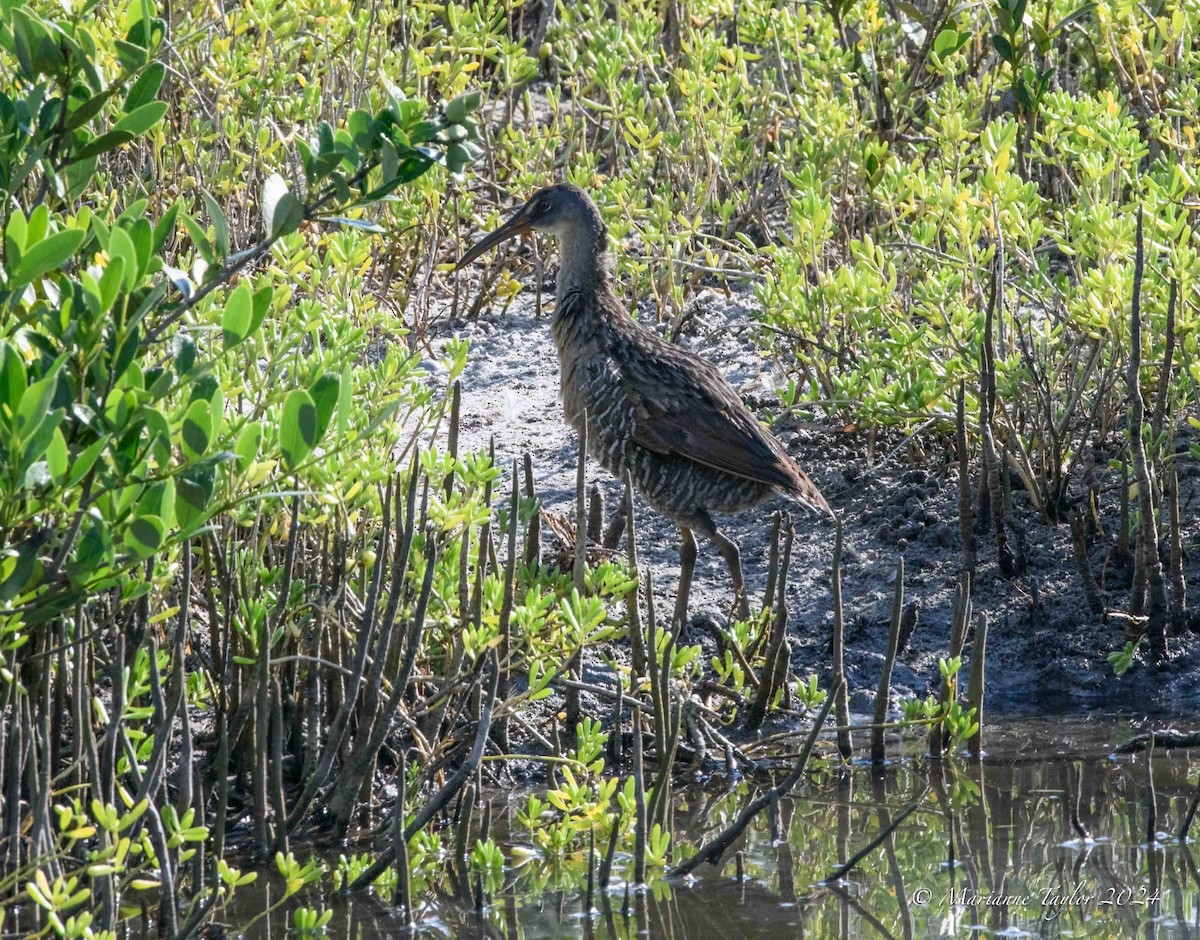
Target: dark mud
x=1046 y=651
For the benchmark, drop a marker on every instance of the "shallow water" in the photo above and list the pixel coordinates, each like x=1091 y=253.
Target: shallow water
x=992 y=851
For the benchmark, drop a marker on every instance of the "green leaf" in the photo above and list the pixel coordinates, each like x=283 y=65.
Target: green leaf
x=159 y=500
x=38 y=225
x=325 y=393
x=216 y=402
x=458 y=109
x=262 y=306
x=14 y=235
x=103 y=144
x=1024 y=94
x=425 y=131
x=206 y=387
x=110 y=282
x=158 y=436
x=12 y=379
x=48 y=57
x=183 y=350
x=197 y=429
x=88 y=108
x=248 y=442
x=1074 y=18
x=78 y=177
x=145 y=535
x=158 y=382
x=48 y=254
x=946 y=42
x=199 y=239
x=141 y=233
x=15 y=571
x=194 y=487
x=120 y=245
x=35 y=403
x=1002 y=47
x=238 y=315
x=389 y=159
x=145 y=88
x=24 y=37
x=282 y=211
x=57 y=456
x=93 y=549
x=297 y=427
x=362 y=128
x=132 y=57
x=85 y=461
x=383 y=415
x=39 y=439
x=220 y=226
x=1041 y=39
x=141 y=119
x=165 y=226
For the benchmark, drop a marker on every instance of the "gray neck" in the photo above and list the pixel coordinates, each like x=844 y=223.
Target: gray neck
x=584 y=263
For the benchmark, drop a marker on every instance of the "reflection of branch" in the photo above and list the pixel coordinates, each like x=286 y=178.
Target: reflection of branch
x=871 y=846
x=1189 y=816
x=1074 y=792
x=712 y=850
x=889 y=849
x=863 y=912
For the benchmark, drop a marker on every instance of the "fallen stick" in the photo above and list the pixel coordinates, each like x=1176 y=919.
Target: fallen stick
x=1165 y=739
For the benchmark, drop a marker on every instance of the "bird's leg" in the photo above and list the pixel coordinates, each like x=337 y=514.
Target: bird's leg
x=733 y=558
x=687 y=564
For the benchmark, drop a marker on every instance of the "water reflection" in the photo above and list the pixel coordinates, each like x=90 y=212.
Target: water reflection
x=1077 y=844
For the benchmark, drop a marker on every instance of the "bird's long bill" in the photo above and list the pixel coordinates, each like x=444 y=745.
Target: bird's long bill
x=517 y=225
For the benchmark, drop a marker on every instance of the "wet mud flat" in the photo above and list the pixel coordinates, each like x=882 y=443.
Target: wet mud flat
x=1047 y=653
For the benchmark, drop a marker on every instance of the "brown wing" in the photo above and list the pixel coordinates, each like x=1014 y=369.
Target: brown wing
x=683 y=405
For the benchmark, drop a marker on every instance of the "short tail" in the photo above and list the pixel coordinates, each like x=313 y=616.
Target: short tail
x=804 y=491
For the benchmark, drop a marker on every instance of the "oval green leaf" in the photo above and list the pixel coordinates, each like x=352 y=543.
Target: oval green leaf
x=297 y=427
x=248 y=442
x=238 y=316
x=146 y=87
x=34 y=404
x=325 y=393
x=12 y=379
x=145 y=535
x=48 y=254
x=197 y=430
x=141 y=119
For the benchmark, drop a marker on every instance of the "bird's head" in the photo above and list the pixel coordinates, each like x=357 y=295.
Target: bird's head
x=563 y=210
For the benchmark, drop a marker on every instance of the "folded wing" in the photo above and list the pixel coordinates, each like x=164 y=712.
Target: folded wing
x=682 y=405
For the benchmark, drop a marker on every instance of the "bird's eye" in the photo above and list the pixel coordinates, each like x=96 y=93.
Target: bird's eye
x=543 y=206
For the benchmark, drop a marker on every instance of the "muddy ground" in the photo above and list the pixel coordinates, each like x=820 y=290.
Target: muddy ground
x=1046 y=652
